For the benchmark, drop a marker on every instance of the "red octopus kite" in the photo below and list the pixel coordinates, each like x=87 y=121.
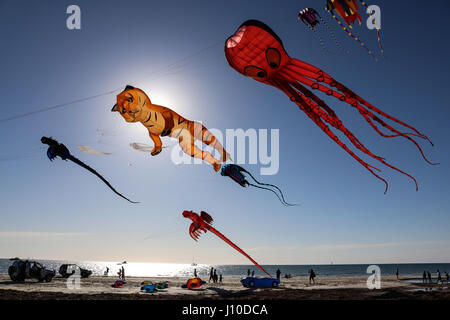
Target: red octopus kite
x=257 y=52
x=203 y=223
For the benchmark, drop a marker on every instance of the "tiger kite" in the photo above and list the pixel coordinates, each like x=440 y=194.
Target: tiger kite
x=134 y=105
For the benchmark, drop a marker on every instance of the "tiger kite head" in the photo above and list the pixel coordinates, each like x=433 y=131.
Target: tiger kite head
x=130 y=103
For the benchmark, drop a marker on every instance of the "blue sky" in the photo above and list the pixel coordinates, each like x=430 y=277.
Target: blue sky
x=57 y=210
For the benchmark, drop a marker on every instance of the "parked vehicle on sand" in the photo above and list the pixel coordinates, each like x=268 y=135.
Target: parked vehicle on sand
x=21 y=270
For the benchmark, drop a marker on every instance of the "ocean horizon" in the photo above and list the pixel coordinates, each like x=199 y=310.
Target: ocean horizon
x=144 y=269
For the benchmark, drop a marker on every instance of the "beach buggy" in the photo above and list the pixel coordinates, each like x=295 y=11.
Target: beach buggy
x=66 y=270
x=26 y=269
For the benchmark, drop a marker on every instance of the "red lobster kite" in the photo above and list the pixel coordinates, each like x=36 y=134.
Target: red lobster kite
x=203 y=223
x=257 y=52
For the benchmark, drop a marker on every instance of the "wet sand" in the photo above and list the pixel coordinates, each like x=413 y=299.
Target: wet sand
x=297 y=288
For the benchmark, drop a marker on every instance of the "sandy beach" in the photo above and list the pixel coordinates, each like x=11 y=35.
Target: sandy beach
x=297 y=288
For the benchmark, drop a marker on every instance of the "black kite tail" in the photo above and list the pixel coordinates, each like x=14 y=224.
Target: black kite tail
x=85 y=166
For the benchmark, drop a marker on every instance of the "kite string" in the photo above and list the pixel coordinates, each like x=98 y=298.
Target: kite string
x=333 y=35
x=322 y=44
x=354 y=36
x=57 y=106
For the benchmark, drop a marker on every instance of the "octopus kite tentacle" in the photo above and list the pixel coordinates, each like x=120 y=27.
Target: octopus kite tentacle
x=294 y=76
x=302 y=73
x=295 y=97
x=330 y=117
x=321 y=76
x=352 y=99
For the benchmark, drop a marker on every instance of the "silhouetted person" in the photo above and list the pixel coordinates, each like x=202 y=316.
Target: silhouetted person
x=446 y=277
x=211 y=274
x=120 y=273
x=106 y=271
x=429 y=277
x=248 y=273
x=396 y=273
x=312 y=275
x=195 y=273
x=424 y=276
x=220 y=278
x=278 y=274
x=253 y=273
x=439 y=278
x=215 y=276
x=123 y=273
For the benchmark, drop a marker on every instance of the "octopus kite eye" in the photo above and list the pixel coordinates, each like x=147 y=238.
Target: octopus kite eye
x=273 y=57
x=254 y=72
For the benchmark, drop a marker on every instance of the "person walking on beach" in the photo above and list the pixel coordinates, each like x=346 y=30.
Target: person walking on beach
x=446 y=277
x=424 y=277
x=211 y=273
x=278 y=274
x=195 y=273
x=248 y=273
x=396 y=273
x=220 y=278
x=123 y=273
x=429 y=277
x=253 y=273
x=439 y=278
x=106 y=272
x=312 y=275
x=215 y=278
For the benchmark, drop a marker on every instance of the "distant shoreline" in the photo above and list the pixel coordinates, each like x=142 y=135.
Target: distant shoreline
x=186 y=270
